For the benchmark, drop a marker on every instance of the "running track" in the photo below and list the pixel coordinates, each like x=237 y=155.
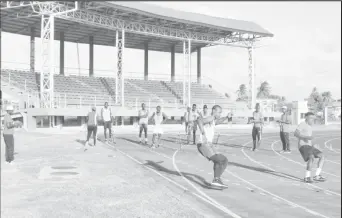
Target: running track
x=261 y=184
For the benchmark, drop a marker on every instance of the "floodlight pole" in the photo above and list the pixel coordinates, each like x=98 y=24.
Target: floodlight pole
x=120 y=81
x=187 y=73
x=251 y=94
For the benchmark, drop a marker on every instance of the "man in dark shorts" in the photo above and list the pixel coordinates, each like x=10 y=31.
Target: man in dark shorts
x=92 y=120
x=285 y=122
x=207 y=129
x=258 y=121
x=309 y=152
x=143 y=122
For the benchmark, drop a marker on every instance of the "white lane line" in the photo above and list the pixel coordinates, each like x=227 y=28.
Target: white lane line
x=177 y=184
x=269 y=168
x=251 y=184
x=331 y=149
x=272 y=146
x=217 y=205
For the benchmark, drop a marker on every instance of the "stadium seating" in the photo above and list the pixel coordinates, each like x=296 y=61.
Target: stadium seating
x=75 y=91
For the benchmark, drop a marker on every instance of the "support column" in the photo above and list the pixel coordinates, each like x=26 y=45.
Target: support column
x=91 y=55
x=47 y=67
x=173 y=48
x=199 y=73
x=146 y=61
x=251 y=96
x=187 y=73
x=32 y=50
x=119 y=83
x=61 y=53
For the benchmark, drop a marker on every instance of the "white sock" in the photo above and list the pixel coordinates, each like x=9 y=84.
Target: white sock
x=318 y=171
x=146 y=140
x=307 y=174
x=140 y=139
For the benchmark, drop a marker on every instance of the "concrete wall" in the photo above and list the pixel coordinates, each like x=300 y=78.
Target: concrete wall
x=299 y=108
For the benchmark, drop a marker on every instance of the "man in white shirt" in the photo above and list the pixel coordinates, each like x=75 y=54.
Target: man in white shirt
x=258 y=122
x=143 y=122
x=192 y=124
x=106 y=115
x=285 y=122
x=309 y=152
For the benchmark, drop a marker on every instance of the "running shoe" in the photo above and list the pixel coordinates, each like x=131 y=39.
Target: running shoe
x=282 y=151
x=218 y=182
x=319 y=178
x=308 y=180
x=288 y=151
x=153 y=146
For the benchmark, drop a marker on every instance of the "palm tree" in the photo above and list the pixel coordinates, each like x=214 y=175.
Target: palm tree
x=327 y=97
x=242 y=93
x=264 y=90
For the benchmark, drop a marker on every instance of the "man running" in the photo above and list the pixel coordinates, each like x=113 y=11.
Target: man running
x=192 y=126
x=143 y=122
x=207 y=129
x=91 y=120
x=106 y=115
x=158 y=119
x=258 y=121
x=309 y=152
x=285 y=122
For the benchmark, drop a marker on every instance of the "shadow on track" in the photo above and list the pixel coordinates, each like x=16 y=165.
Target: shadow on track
x=191 y=177
x=262 y=170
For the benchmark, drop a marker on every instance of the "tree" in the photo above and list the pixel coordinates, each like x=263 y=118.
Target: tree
x=264 y=90
x=242 y=93
x=327 y=97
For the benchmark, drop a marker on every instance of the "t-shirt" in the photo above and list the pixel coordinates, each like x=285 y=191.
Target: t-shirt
x=209 y=130
x=192 y=115
x=8 y=119
x=143 y=120
x=305 y=130
x=257 y=116
x=106 y=113
x=285 y=118
x=92 y=118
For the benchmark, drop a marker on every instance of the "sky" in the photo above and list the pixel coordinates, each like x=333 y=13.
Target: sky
x=304 y=53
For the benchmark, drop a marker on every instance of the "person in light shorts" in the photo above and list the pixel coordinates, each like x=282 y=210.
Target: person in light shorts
x=143 y=122
x=158 y=118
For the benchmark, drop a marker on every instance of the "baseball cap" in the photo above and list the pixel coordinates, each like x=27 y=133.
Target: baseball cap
x=205 y=106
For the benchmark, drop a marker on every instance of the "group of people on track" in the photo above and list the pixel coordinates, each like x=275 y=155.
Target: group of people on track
x=205 y=121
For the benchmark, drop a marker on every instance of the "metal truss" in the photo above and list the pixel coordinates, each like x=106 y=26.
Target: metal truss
x=120 y=82
x=251 y=94
x=187 y=73
x=15 y=4
x=111 y=22
x=47 y=67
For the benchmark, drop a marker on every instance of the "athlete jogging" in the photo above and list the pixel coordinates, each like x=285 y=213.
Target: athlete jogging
x=143 y=122
x=258 y=121
x=207 y=129
x=158 y=119
x=309 y=152
x=91 y=120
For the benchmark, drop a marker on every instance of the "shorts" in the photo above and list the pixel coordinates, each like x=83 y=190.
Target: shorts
x=207 y=150
x=306 y=151
x=158 y=129
x=191 y=127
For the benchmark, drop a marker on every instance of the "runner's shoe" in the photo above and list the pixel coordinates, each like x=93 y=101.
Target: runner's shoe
x=319 y=178
x=218 y=182
x=288 y=151
x=308 y=180
x=282 y=151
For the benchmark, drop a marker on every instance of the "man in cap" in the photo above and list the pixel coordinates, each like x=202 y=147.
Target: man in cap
x=8 y=133
x=285 y=122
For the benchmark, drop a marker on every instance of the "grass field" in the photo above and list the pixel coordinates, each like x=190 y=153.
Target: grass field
x=54 y=177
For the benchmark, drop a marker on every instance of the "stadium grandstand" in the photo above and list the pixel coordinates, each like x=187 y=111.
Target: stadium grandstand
x=47 y=92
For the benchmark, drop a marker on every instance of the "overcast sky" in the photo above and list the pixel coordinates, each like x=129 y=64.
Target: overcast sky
x=305 y=52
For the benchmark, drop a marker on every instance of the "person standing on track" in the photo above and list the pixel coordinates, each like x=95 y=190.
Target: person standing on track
x=204 y=114
x=192 y=126
x=8 y=134
x=186 y=119
x=92 y=120
x=106 y=115
x=285 y=122
x=207 y=129
x=258 y=121
x=158 y=119
x=143 y=122
x=309 y=152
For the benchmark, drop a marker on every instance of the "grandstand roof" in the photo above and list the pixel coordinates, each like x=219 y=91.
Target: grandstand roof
x=19 y=20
